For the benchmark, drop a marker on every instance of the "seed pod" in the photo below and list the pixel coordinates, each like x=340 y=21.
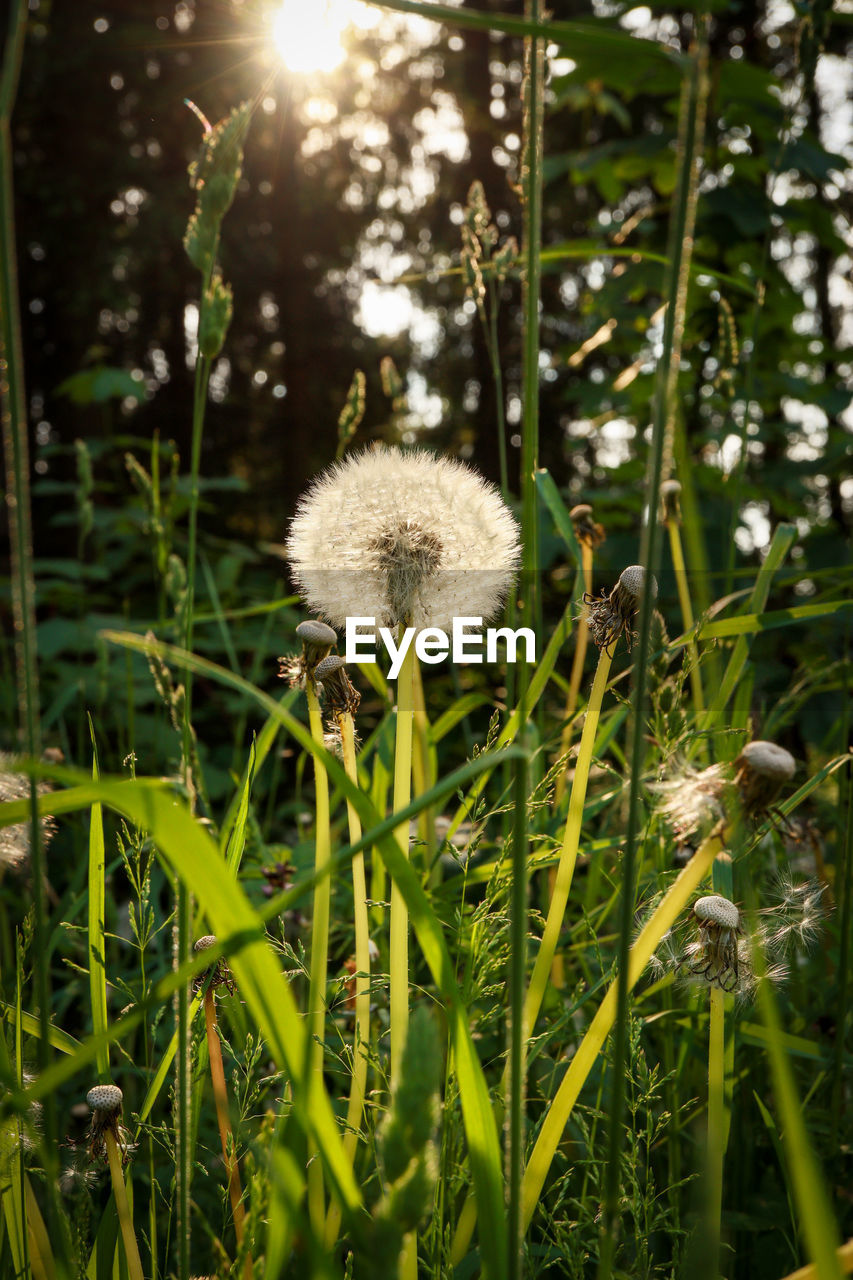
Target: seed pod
x=106 y=1098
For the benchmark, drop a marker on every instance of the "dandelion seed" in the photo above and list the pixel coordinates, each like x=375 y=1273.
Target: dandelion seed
x=692 y=799
x=609 y=615
x=761 y=771
x=404 y=538
x=15 y=840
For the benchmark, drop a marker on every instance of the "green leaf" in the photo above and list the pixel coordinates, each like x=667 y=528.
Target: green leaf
x=100 y=384
x=236 y=840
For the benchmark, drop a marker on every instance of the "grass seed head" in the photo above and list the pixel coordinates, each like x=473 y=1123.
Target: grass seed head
x=404 y=537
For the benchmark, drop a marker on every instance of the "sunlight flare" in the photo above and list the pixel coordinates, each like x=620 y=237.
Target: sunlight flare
x=310 y=37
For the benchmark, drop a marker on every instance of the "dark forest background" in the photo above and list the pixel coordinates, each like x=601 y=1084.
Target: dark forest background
x=333 y=195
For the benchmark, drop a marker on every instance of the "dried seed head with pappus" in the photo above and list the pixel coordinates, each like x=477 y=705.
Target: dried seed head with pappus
x=318 y=640
x=403 y=537
x=339 y=694
x=105 y=1102
x=586 y=528
x=692 y=799
x=761 y=771
x=218 y=973
x=610 y=614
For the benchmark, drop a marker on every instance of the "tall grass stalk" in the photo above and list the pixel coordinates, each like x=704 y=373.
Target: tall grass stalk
x=361 y=1035
x=691 y=136
x=319 y=963
x=673 y=528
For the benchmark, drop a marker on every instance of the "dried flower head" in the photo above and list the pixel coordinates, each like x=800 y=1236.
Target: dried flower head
x=715 y=955
x=105 y=1101
x=761 y=771
x=15 y=840
x=670 y=494
x=404 y=538
x=692 y=799
x=318 y=640
x=338 y=691
x=609 y=615
x=586 y=528
x=218 y=973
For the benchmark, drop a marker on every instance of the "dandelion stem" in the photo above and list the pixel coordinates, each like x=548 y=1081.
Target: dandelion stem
x=361 y=1037
x=220 y=1097
x=716 y=1122
x=399 y=940
x=577 y=671
x=674 y=529
x=319 y=963
x=569 y=849
x=399 y=931
x=131 y=1249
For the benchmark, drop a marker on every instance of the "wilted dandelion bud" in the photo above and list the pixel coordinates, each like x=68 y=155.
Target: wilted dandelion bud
x=218 y=973
x=586 y=529
x=105 y=1102
x=670 y=493
x=609 y=615
x=340 y=694
x=403 y=538
x=761 y=771
x=318 y=640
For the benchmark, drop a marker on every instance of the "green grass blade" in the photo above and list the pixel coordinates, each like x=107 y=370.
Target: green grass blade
x=816 y=1220
x=235 y=841
x=96 y=941
x=783 y=538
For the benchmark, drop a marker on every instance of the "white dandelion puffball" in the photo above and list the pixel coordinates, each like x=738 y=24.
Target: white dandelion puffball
x=403 y=537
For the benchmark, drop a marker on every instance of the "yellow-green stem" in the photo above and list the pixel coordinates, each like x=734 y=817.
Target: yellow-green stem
x=318 y=973
x=131 y=1249
x=557 y=1116
x=577 y=672
x=220 y=1098
x=678 y=564
x=716 y=1107
x=399 y=940
x=361 y=1036
x=569 y=850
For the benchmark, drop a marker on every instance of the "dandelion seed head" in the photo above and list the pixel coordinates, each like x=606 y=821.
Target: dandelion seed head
x=670 y=494
x=106 y=1098
x=404 y=537
x=718 y=911
x=761 y=770
x=15 y=840
x=337 y=689
x=586 y=528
